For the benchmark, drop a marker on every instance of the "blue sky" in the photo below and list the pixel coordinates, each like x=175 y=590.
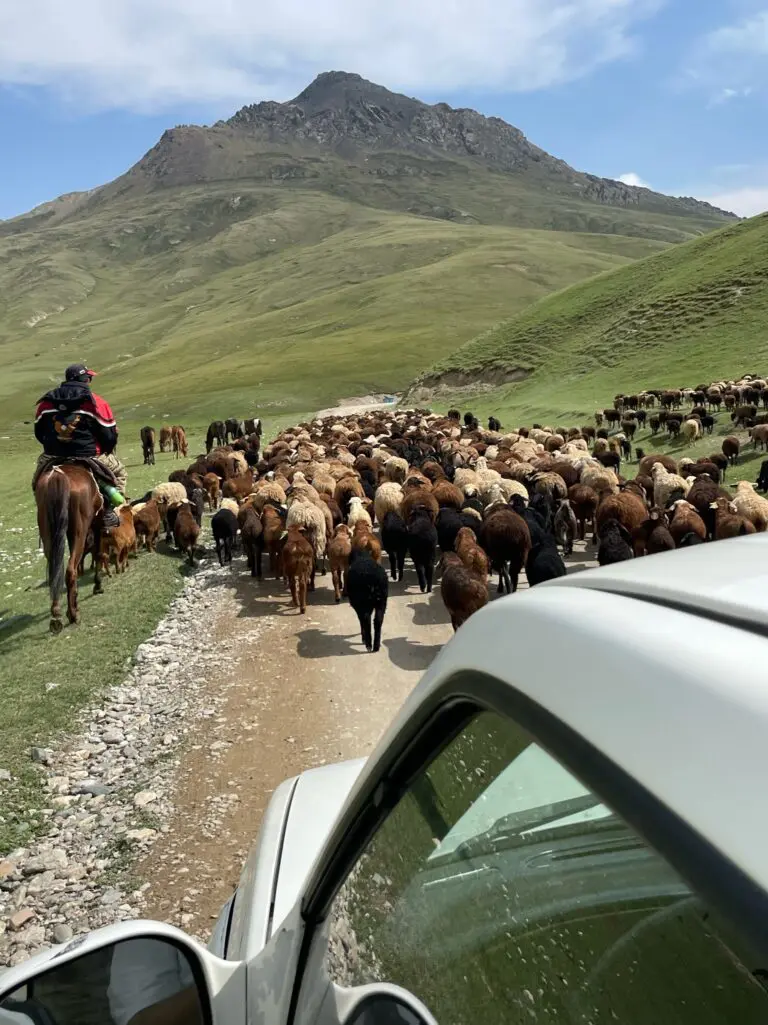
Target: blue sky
x=671 y=93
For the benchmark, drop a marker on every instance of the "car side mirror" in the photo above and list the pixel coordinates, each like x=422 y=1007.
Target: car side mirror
x=137 y=973
x=380 y=1004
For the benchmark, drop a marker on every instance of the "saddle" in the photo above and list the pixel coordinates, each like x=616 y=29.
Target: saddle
x=101 y=473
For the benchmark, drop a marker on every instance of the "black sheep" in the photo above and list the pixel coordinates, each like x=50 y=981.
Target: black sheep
x=494 y=424
x=468 y=418
x=197 y=501
x=615 y=544
x=224 y=527
x=762 y=480
x=690 y=539
x=473 y=503
x=394 y=540
x=448 y=523
x=610 y=460
x=367 y=590
x=422 y=547
x=454 y=414
x=544 y=562
x=537 y=528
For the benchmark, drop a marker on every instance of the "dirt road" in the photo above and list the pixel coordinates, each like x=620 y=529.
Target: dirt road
x=301 y=692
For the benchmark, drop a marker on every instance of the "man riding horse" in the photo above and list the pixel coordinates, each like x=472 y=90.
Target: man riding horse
x=76 y=426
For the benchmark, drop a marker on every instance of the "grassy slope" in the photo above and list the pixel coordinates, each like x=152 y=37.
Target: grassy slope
x=692 y=313
x=193 y=303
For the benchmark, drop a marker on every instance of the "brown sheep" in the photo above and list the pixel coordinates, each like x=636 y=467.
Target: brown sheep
x=252 y=537
x=471 y=554
x=462 y=592
x=179 y=442
x=364 y=539
x=147 y=523
x=416 y=498
x=298 y=557
x=447 y=495
x=652 y=536
x=506 y=541
x=337 y=516
x=567 y=471
x=346 y=489
x=628 y=509
x=648 y=462
x=759 y=436
x=186 y=531
x=118 y=542
x=339 y=551
x=238 y=487
x=584 y=501
x=686 y=520
x=165 y=439
x=731 y=449
x=730 y=524
x=212 y=489
x=273 y=525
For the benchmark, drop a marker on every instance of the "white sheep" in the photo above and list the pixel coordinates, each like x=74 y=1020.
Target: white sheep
x=358 y=514
x=665 y=483
x=388 y=498
x=396 y=469
x=752 y=506
x=691 y=429
x=231 y=504
x=303 y=513
x=170 y=493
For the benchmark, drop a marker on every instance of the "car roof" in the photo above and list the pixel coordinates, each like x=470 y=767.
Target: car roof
x=727 y=580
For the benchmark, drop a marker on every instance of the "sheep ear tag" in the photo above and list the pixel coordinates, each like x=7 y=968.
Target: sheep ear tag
x=284 y=535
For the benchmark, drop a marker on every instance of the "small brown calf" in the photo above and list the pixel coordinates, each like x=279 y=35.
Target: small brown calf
x=186 y=531
x=339 y=551
x=212 y=489
x=298 y=563
x=366 y=540
x=118 y=542
x=147 y=523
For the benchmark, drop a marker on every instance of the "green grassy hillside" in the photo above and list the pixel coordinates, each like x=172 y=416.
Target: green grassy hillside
x=695 y=312
x=208 y=300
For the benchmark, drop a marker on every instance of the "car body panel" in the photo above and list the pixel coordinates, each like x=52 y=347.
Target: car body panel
x=295 y=826
x=726 y=580
x=319 y=796
x=649 y=686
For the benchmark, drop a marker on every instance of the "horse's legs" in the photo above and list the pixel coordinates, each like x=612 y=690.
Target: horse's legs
x=78 y=531
x=97 y=587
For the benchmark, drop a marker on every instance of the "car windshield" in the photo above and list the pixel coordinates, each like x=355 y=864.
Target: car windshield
x=518 y=804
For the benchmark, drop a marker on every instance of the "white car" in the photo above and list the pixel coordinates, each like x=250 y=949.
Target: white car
x=566 y=823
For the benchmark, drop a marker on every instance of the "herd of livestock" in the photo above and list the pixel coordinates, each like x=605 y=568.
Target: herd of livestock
x=453 y=497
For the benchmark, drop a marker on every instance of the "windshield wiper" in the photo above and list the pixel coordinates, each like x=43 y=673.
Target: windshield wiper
x=518 y=823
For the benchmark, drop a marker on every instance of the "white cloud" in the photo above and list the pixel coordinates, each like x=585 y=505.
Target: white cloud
x=147 y=54
x=730 y=62
x=630 y=178
x=746 y=202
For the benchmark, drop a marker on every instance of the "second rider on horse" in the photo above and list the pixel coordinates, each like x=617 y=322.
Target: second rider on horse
x=74 y=425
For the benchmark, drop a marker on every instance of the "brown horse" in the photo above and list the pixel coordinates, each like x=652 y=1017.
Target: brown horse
x=69 y=504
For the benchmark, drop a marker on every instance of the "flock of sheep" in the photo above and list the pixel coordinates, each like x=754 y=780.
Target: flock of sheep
x=452 y=496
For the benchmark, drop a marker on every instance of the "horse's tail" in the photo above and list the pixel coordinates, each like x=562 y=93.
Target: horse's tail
x=57 y=510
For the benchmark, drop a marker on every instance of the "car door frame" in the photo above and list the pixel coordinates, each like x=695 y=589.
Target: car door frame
x=436 y=721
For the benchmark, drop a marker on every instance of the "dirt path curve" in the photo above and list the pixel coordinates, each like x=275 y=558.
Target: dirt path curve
x=300 y=693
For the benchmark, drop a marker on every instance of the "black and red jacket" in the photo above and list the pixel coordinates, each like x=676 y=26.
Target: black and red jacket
x=71 y=421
